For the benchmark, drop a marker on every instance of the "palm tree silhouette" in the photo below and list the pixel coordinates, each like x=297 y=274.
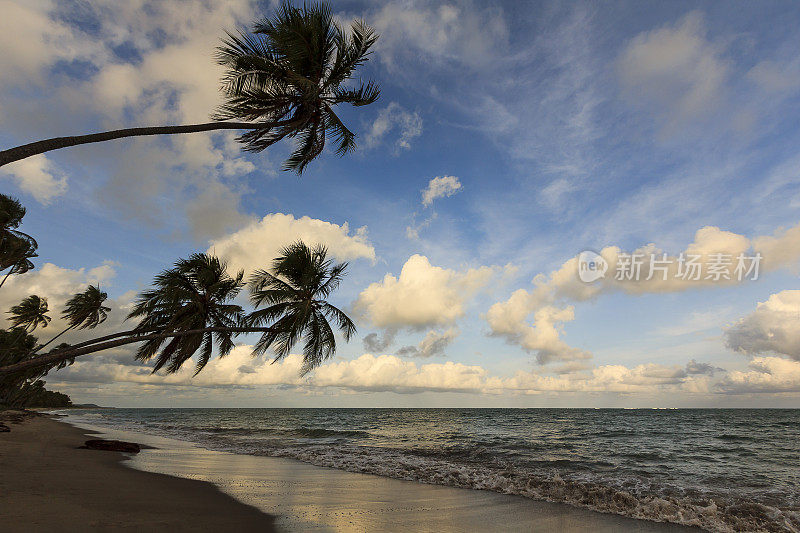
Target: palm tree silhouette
x=282 y=80
x=16 y=256
x=190 y=309
x=295 y=293
x=16 y=247
x=84 y=310
x=193 y=295
x=30 y=314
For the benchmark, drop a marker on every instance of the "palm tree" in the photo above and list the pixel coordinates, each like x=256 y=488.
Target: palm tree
x=193 y=295
x=16 y=256
x=295 y=293
x=15 y=246
x=84 y=310
x=282 y=80
x=190 y=309
x=11 y=212
x=30 y=313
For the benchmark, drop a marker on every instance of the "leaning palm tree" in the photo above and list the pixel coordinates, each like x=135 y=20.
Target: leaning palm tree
x=11 y=212
x=190 y=309
x=16 y=255
x=282 y=80
x=12 y=241
x=30 y=313
x=295 y=294
x=84 y=310
x=195 y=294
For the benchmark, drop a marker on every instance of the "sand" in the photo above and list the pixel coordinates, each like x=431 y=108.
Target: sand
x=47 y=484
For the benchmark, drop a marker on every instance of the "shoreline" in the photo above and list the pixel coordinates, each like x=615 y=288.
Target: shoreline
x=49 y=484
x=297 y=496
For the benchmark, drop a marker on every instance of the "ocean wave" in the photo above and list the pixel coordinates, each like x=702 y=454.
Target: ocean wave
x=592 y=485
x=712 y=514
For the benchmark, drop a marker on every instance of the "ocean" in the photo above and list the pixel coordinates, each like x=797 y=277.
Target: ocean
x=720 y=469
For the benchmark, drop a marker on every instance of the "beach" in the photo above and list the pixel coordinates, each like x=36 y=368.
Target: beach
x=49 y=483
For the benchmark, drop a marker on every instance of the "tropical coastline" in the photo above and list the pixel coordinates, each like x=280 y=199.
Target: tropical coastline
x=719 y=469
x=102 y=491
x=540 y=272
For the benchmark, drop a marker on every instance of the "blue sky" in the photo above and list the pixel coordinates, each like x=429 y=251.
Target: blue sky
x=539 y=130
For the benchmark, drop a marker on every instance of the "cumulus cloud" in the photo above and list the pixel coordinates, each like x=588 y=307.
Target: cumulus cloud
x=766 y=375
x=542 y=336
x=675 y=70
x=774 y=327
x=395 y=119
x=434 y=343
x=389 y=373
x=545 y=301
x=38 y=177
x=256 y=245
x=422 y=295
x=440 y=187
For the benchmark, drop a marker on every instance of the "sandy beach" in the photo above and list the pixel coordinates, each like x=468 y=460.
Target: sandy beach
x=48 y=483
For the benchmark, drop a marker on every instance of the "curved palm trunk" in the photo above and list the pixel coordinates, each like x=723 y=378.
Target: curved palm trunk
x=46 y=145
x=51 y=340
x=96 y=346
x=6 y=276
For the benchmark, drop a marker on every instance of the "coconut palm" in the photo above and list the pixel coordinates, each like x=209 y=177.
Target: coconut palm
x=195 y=294
x=189 y=310
x=16 y=256
x=84 y=310
x=295 y=294
x=30 y=313
x=11 y=212
x=14 y=244
x=282 y=80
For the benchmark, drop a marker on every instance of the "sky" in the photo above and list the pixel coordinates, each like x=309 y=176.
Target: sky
x=509 y=138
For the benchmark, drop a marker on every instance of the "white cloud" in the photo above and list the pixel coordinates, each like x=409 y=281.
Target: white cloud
x=422 y=296
x=381 y=373
x=38 y=177
x=542 y=336
x=774 y=327
x=256 y=245
x=675 y=70
x=766 y=375
x=394 y=118
x=440 y=187
x=545 y=300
